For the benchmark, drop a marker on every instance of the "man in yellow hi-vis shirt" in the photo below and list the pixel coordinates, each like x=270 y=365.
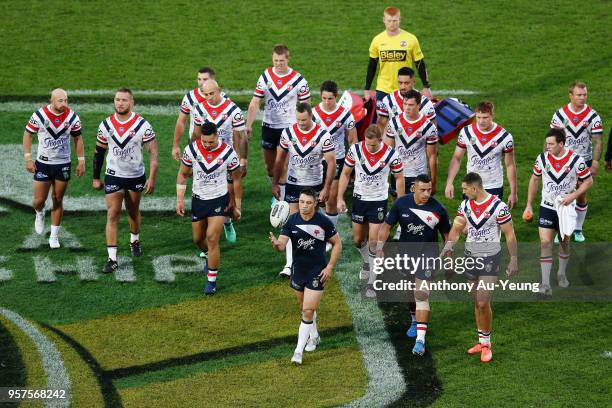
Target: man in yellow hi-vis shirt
x=394 y=48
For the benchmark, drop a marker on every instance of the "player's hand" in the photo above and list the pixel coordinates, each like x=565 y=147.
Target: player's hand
x=341 y=206
x=528 y=214
x=427 y=92
x=80 y=170
x=380 y=253
x=608 y=165
x=325 y=274
x=176 y=153
x=324 y=195
x=276 y=191
x=568 y=199
x=512 y=201
x=594 y=168
x=30 y=166
x=449 y=192
x=275 y=242
x=236 y=214
x=243 y=168
x=97 y=184
x=149 y=186
x=367 y=95
x=512 y=269
x=180 y=207
x=249 y=132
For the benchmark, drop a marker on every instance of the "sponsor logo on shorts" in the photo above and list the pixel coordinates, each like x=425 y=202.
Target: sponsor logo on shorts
x=315 y=283
x=218 y=210
x=544 y=221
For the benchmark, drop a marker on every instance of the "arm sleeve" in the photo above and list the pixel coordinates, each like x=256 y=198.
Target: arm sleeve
x=98 y=161
x=420 y=64
x=392 y=216
x=371 y=72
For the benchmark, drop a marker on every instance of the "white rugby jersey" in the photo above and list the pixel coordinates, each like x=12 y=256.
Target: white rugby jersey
x=210 y=168
x=559 y=175
x=579 y=128
x=125 y=141
x=411 y=140
x=337 y=124
x=483 y=224
x=305 y=150
x=485 y=152
x=226 y=115
x=393 y=104
x=53 y=134
x=188 y=104
x=281 y=94
x=372 y=170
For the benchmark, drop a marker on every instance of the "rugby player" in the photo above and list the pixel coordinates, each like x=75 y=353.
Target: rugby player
x=486 y=144
x=209 y=161
x=125 y=135
x=486 y=217
x=54 y=124
x=303 y=148
x=584 y=133
x=308 y=231
x=561 y=170
x=422 y=218
x=372 y=161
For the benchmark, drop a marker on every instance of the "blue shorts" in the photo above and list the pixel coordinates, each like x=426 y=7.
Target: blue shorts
x=112 y=184
x=202 y=209
x=368 y=211
x=339 y=167
x=310 y=280
x=292 y=192
x=270 y=137
x=489 y=266
x=48 y=172
x=548 y=218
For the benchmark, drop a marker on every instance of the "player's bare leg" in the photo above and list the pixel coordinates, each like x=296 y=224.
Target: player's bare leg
x=58 y=189
x=198 y=235
x=546 y=245
x=581 y=211
x=213 y=235
x=309 y=300
x=286 y=271
x=132 y=206
x=421 y=298
x=360 y=239
x=40 y=191
x=564 y=255
x=484 y=318
x=228 y=226
x=113 y=212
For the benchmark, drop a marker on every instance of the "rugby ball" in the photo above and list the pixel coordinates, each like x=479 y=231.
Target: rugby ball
x=279 y=214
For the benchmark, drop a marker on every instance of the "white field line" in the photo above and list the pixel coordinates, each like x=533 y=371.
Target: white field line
x=385 y=379
x=57 y=376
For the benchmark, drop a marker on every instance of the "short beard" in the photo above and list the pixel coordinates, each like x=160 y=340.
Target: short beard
x=125 y=112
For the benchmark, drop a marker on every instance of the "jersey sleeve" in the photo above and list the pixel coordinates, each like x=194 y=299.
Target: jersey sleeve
x=583 y=171
x=284 y=140
x=238 y=122
x=260 y=88
x=415 y=50
x=596 y=126
x=328 y=144
x=509 y=145
x=75 y=128
x=33 y=125
x=187 y=158
x=460 y=210
x=330 y=229
x=286 y=229
x=102 y=136
x=374 y=48
x=396 y=164
x=350 y=160
x=428 y=109
x=538 y=166
x=391 y=132
x=185 y=105
x=432 y=135
x=393 y=215
x=444 y=223
x=556 y=121
x=197 y=118
x=462 y=140
x=303 y=90
x=503 y=214
x=149 y=133
x=233 y=161
x=382 y=107
x=350 y=122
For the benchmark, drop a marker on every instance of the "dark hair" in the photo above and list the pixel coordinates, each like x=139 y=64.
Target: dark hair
x=473 y=178
x=209 y=128
x=304 y=107
x=207 y=70
x=485 y=107
x=423 y=178
x=309 y=192
x=558 y=133
x=413 y=94
x=406 y=71
x=329 y=86
x=126 y=90
x=281 y=49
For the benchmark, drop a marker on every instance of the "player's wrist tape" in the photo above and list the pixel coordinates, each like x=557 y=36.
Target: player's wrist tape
x=448 y=246
x=181 y=187
x=81 y=158
x=380 y=245
x=27 y=156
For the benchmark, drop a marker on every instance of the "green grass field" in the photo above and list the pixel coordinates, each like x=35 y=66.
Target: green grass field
x=154 y=340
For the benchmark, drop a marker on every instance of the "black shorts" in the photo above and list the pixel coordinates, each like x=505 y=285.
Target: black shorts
x=488 y=266
x=548 y=218
x=408 y=182
x=368 y=211
x=310 y=280
x=48 y=172
x=339 y=167
x=270 y=137
x=112 y=184
x=292 y=192
x=202 y=209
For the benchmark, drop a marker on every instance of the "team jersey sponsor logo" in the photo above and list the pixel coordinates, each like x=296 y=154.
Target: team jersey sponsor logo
x=393 y=55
